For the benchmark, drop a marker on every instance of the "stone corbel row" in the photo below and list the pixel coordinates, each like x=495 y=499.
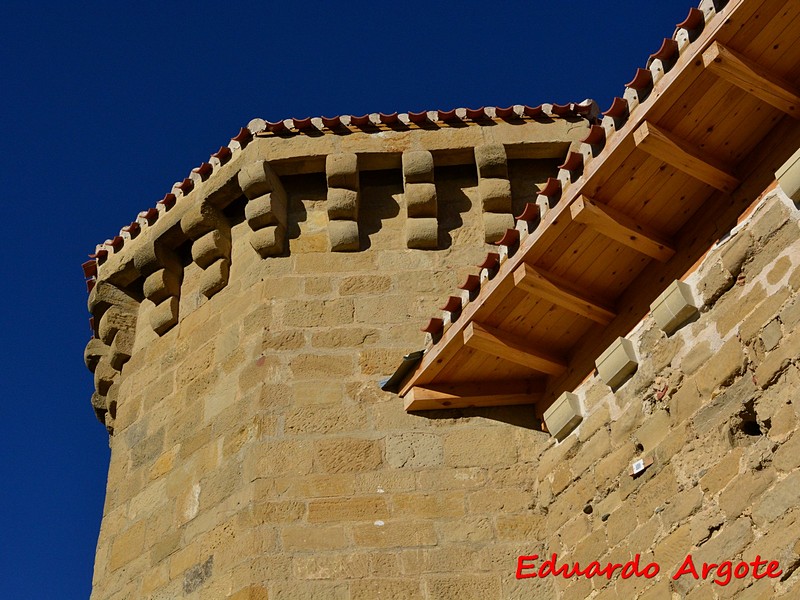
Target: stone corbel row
x=115 y=313
x=163 y=274
x=494 y=189
x=266 y=209
x=422 y=226
x=210 y=233
x=341 y=171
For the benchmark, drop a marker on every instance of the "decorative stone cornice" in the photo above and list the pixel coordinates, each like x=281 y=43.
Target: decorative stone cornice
x=144 y=262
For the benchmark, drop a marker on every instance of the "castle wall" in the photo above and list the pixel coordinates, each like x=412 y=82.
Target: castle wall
x=254 y=455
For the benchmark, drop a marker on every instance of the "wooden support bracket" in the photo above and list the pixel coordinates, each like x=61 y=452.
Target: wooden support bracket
x=474 y=393
x=509 y=347
x=557 y=290
x=682 y=155
x=752 y=78
x=617 y=226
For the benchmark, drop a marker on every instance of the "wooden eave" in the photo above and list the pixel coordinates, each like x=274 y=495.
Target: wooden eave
x=668 y=183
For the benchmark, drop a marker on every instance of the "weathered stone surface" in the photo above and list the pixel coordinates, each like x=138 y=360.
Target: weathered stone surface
x=342 y=204
x=342 y=170
x=162 y=284
x=421 y=200
x=491 y=161
x=418 y=166
x=163 y=316
x=343 y=236
x=495 y=195
x=422 y=233
x=211 y=246
x=269 y=241
x=269 y=209
x=495 y=225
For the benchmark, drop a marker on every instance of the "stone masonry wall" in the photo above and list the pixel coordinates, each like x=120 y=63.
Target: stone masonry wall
x=255 y=457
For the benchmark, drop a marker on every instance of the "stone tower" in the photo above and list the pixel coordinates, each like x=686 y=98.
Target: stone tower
x=609 y=375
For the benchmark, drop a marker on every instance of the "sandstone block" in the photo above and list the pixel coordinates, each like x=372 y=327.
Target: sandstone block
x=396 y=589
x=495 y=226
x=422 y=234
x=348 y=455
x=269 y=240
x=364 y=284
x=94 y=351
x=418 y=166
x=340 y=510
x=673 y=307
x=127 y=545
x=719 y=475
x=736 y=252
x=342 y=204
x=783 y=497
x=251 y=592
x=722 y=368
x=341 y=171
x=269 y=209
x=121 y=348
x=491 y=161
x=313 y=538
x=150 y=254
x=787 y=457
x=428 y=506
x=161 y=284
x=655 y=428
x=714 y=284
x=201 y=218
x=762 y=315
x=104 y=295
x=685 y=402
x=744 y=490
x=421 y=200
x=776 y=361
x=495 y=195
x=214 y=277
x=413 y=450
x=617 y=363
x=392 y=534
x=563 y=415
x=473 y=448
x=113 y=320
x=257 y=179
x=343 y=236
x=211 y=246
x=767 y=223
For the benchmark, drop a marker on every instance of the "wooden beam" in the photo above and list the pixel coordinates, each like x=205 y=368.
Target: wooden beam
x=511 y=348
x=620 y=227
x=557 y=290
x=752 y=78
x=474 y=393
x=684 y=156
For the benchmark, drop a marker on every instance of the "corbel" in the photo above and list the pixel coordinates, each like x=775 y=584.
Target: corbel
x=494 y=189
x=341 y=171
x=210 y=232
x=266 y=209
x=422 y=226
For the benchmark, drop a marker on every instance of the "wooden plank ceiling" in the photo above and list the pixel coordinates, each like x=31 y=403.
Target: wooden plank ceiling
x=629 y=215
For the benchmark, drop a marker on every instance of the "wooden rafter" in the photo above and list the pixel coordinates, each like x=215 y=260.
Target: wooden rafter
x=752 y=78
x=476 y=393
x=514 y=349
x=540 y=283
x=682 y=155
x=617 y=226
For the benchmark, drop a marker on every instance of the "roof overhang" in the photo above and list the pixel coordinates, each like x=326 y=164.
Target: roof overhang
x=665 y=175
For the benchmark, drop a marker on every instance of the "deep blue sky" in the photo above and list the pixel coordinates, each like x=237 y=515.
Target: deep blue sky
x=105 y=105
